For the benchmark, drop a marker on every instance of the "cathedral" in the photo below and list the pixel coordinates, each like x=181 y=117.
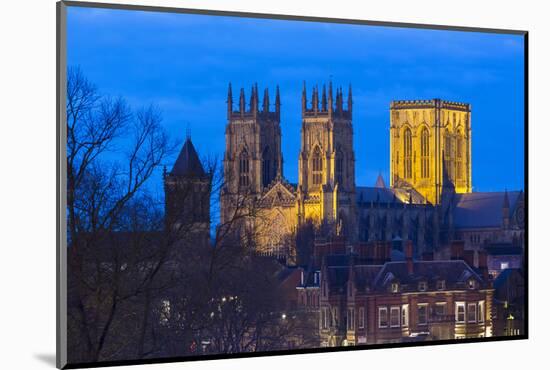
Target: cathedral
x=429 y=200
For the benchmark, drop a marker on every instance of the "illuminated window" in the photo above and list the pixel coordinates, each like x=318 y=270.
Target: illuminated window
x=472 y=312
x=317 y=167
x=425 y=153
x=423 y=314
x=481 y=311
x=448 y=150
x=394 y=317
x=244 y=169
x=395 y=287
x=382 y=317
x=504 y=265
x=459 y=149
x=324 y=318
x=460 y=312
x=422 y=286
x=405 y=315
x=407 y=147
x=351 y=319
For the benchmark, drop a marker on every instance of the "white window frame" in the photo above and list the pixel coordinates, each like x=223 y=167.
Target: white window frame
x=351 y=319
x=471 y=284
x=457 y=305
x=425 y=305
x=380 y=310
x=422 y=286
x=481 y=312
x=470 y=305
x=395 y=287
x=405 y=315
x=440 y=285
x=361 y=317
x=324 y=318
x=393 y=308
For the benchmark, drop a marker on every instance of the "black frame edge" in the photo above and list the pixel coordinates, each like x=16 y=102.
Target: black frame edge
x=61 y=342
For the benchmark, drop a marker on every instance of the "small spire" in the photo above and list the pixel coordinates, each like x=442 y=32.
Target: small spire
x=315 y=100
x=241 y=101
x=188 y=132
x=330 y=102
x=324 y=101
x=252 y=99
x=350 y=100
x=277 y=101
x=304 y=98
x=266 y=100
x=229 y=101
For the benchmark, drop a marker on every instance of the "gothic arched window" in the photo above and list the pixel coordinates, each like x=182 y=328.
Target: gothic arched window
x=339 y=167
x=448 y=154
x=459 y=150
x=407 y=155
x=244 y=169
x=317 y=167
x=266 y=167
x=425 y=153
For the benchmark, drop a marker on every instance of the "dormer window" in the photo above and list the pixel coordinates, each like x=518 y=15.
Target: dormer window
x=471 y=284
x=422 y=286
x=395 y=287
x=441 y=285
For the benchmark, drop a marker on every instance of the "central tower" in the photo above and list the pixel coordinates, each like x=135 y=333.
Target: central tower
x=326 y=179
x=430 y=146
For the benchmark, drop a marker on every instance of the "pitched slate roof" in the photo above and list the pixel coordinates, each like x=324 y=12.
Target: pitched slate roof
x=455 y=273
x=188 y=163
x=504 y=249
x=375 y=194
x=481 y=209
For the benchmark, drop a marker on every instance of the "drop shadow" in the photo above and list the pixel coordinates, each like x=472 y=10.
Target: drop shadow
x=47 y=358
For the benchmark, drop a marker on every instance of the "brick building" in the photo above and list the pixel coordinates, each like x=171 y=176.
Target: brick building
x=367 y=298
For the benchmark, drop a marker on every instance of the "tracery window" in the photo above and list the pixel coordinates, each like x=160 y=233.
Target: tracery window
x=407 y=146
x=425 y=153
x=244 y=169
x=317 y=167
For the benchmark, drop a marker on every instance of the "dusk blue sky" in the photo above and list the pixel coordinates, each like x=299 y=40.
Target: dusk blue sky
x=183 y=64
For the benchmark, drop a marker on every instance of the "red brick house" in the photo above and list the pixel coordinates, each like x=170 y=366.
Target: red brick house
x=365 y=301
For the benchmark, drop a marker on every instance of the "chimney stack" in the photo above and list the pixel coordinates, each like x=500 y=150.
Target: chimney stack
x=457 y=250
x=388 y=251
x=409 y=257
x=469 y=257
x=482 y=264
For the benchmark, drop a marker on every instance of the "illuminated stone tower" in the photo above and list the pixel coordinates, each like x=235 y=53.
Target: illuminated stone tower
x=252 y=157
x=430 y=146
x=326 y=179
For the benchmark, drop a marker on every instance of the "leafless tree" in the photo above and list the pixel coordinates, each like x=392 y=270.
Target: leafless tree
x=140 y=285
